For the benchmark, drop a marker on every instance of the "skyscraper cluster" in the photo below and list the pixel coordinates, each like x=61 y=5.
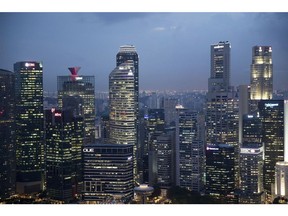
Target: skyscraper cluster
x=228 y=144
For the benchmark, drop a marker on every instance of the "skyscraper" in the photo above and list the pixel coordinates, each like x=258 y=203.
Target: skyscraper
x=222 y=103
x=7 y=134
x=64 y=139
x=281 y=179
x=261 y=78
x=251 y=174
x=220 y=172
x=78 y=92
x=189 y=152
x=108 y=172
x=29 y=126
x=128 y=53
x=122 y=106
x=272 y=118
x=220 y=67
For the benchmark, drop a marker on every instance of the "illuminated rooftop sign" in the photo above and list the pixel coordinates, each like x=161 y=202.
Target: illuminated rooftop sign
x=28 y=64
x=271 y=105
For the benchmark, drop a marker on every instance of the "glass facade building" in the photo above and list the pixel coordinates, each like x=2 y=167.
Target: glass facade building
x=29 y=126
x=261 y=78
x=108 y=173
x=272 y=118
x=78 y=93
x=64 y=140
x=7 y=134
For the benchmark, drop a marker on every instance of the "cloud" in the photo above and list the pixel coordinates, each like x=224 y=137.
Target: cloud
x=159 y=29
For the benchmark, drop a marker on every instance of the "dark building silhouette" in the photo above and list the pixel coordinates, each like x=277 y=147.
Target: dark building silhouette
x=7 y=134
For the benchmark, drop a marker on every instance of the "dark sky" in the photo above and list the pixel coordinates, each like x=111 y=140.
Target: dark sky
x=174 y=48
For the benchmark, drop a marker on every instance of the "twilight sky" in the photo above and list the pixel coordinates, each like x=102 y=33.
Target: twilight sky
x=174 y=48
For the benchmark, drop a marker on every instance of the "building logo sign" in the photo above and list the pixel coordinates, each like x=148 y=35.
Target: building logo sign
x=271 y=105
x=27 y=64
x=88 y=150
x=213 y=149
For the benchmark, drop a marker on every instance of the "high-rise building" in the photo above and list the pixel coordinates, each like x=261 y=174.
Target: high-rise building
x=261 y=78
x=7 y=134
x=153 y=125
x=78 y=92
x=251 y=129
x=222 y=103
x=272 y=117
x=251 y=174
x=108 y=173
x=220 y=172
x=122 y=107
x=128 y=53
x=220 y=67
x=189 y=152
x=169 y=105
x=281 y=179
x=29 y=126
x=64 y=139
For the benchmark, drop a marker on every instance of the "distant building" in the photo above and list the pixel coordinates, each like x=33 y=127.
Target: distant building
x=261 y=79
x=189 y=152
x=108 y=172
x=29 y=126
x=169 y=105
x=251 y=129
x=7 y=134
x=220 y=172
x=272 y=117
x=251 y=174
x=79 y=92
x=64 y=139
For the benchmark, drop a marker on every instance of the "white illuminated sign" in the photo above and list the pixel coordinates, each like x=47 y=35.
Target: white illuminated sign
x=250 y=116
x=129 y=158
x=27 y=64
x=88 y=150
x=271 y=105
x=213 y=149
x=78 y=78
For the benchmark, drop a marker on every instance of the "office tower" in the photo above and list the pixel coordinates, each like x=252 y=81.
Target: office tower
x=251 y=174
x=128 y=53
x=64 y=133
x=272 y=117
x=281 y=179
x=261 y=79
x=7 y=137
x=222 y=102
x=108 y=172
x=169 y=105
x=164 y=159
x=29 y=126
x=220 y=67
x=78 y=92
x=153 y=125
x=252 y=129
x=123 y=129
x=189 y=151
x=220 y=172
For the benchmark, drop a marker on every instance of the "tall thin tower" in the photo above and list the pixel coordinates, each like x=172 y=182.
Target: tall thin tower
x=261 y=79
x=122 y=106
x=29 y=126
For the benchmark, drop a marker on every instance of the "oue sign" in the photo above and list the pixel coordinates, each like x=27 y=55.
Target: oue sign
x=88 y=150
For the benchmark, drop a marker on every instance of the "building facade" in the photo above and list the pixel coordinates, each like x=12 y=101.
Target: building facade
x=272 y=117
x=7 y=134
x=29 y=126
x=261 y=78
x=78 y=92
x=64 y=139
x=251 y=174
x=108 y=173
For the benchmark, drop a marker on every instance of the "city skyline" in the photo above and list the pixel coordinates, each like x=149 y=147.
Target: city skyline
x=172 y=47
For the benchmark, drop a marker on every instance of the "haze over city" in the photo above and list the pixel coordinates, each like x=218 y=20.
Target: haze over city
x=173 y=48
